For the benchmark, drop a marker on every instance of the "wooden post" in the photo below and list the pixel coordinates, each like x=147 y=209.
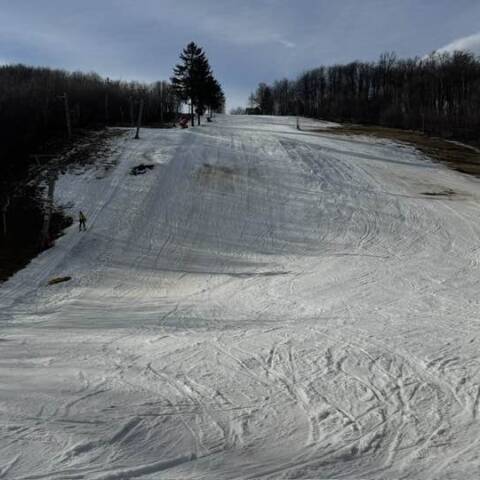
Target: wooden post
x=296 y=111
x=139 y=120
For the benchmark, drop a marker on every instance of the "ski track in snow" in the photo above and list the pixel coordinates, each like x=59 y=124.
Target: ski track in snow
x=264 y=303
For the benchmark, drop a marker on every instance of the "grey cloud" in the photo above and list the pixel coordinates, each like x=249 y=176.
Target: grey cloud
x=247 y=41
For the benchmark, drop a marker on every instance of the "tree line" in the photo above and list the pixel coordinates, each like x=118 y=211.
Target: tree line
x=39 y=106
x=439 y=94
x=33 y=104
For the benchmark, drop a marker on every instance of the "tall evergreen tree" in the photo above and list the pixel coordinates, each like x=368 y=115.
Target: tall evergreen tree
x=215 y=98
x=194 y=82
x=187 y=77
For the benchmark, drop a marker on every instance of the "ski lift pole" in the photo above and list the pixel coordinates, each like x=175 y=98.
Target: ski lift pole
x=139 y=120
x=296 y=112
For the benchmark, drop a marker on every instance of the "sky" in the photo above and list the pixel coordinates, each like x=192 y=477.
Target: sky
x=247 y=41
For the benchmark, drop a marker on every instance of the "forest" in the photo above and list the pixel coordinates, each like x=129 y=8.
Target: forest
x=439 y=94
x=45 y=111
x=34 y=102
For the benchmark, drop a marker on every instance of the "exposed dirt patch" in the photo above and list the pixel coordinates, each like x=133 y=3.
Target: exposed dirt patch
x=463 y=158
x=218 y=177
x=87 y=147
x=91 y=149
x=442 y=193
x=54 y=281
x=160 y=125
x=141 y=169
x=216 y=171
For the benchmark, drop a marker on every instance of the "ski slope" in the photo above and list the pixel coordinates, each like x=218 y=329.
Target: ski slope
x=264 y=303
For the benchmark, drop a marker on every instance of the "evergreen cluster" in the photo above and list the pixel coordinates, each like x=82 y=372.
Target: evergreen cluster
x=195 y=84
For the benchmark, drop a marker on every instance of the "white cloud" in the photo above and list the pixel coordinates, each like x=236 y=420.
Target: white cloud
x=286 y=43
x=470 y=43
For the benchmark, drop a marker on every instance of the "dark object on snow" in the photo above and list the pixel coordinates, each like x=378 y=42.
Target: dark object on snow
x=209 y=119
x=141 y=169
x=56 y=280
x=183 y=122
x=82 y=222
x=444 y=193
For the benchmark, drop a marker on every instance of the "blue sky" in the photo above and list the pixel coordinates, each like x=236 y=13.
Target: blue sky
x=247 y=41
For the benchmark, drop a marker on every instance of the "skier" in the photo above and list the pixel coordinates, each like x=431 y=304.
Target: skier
x=82 y=222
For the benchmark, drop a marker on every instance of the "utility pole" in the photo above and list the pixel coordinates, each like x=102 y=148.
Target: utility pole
x=296 y=111
x=139 y=119
x=106 y=101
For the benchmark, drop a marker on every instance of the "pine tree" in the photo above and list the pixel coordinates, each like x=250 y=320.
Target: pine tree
x=215 y=99
x=189 y=76
x=194 y=82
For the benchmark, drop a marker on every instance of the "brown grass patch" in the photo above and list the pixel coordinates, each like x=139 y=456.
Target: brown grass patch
x=463 y=158
x=208 y=171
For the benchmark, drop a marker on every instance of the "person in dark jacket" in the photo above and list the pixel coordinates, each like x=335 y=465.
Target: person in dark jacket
x=82 y=225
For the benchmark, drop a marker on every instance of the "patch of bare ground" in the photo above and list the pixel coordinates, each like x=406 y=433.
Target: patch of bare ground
x=88 y=148
x=220 y=178
x=160 y=125
x=218 y=174
x=458 y=156
x=91 y=149
x=442 y=193
x=216 y=171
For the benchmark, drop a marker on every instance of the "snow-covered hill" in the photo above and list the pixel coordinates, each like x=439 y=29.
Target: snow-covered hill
x=262 y=303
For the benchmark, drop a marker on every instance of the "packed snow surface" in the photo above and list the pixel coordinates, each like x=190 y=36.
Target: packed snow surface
x=264 y=302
